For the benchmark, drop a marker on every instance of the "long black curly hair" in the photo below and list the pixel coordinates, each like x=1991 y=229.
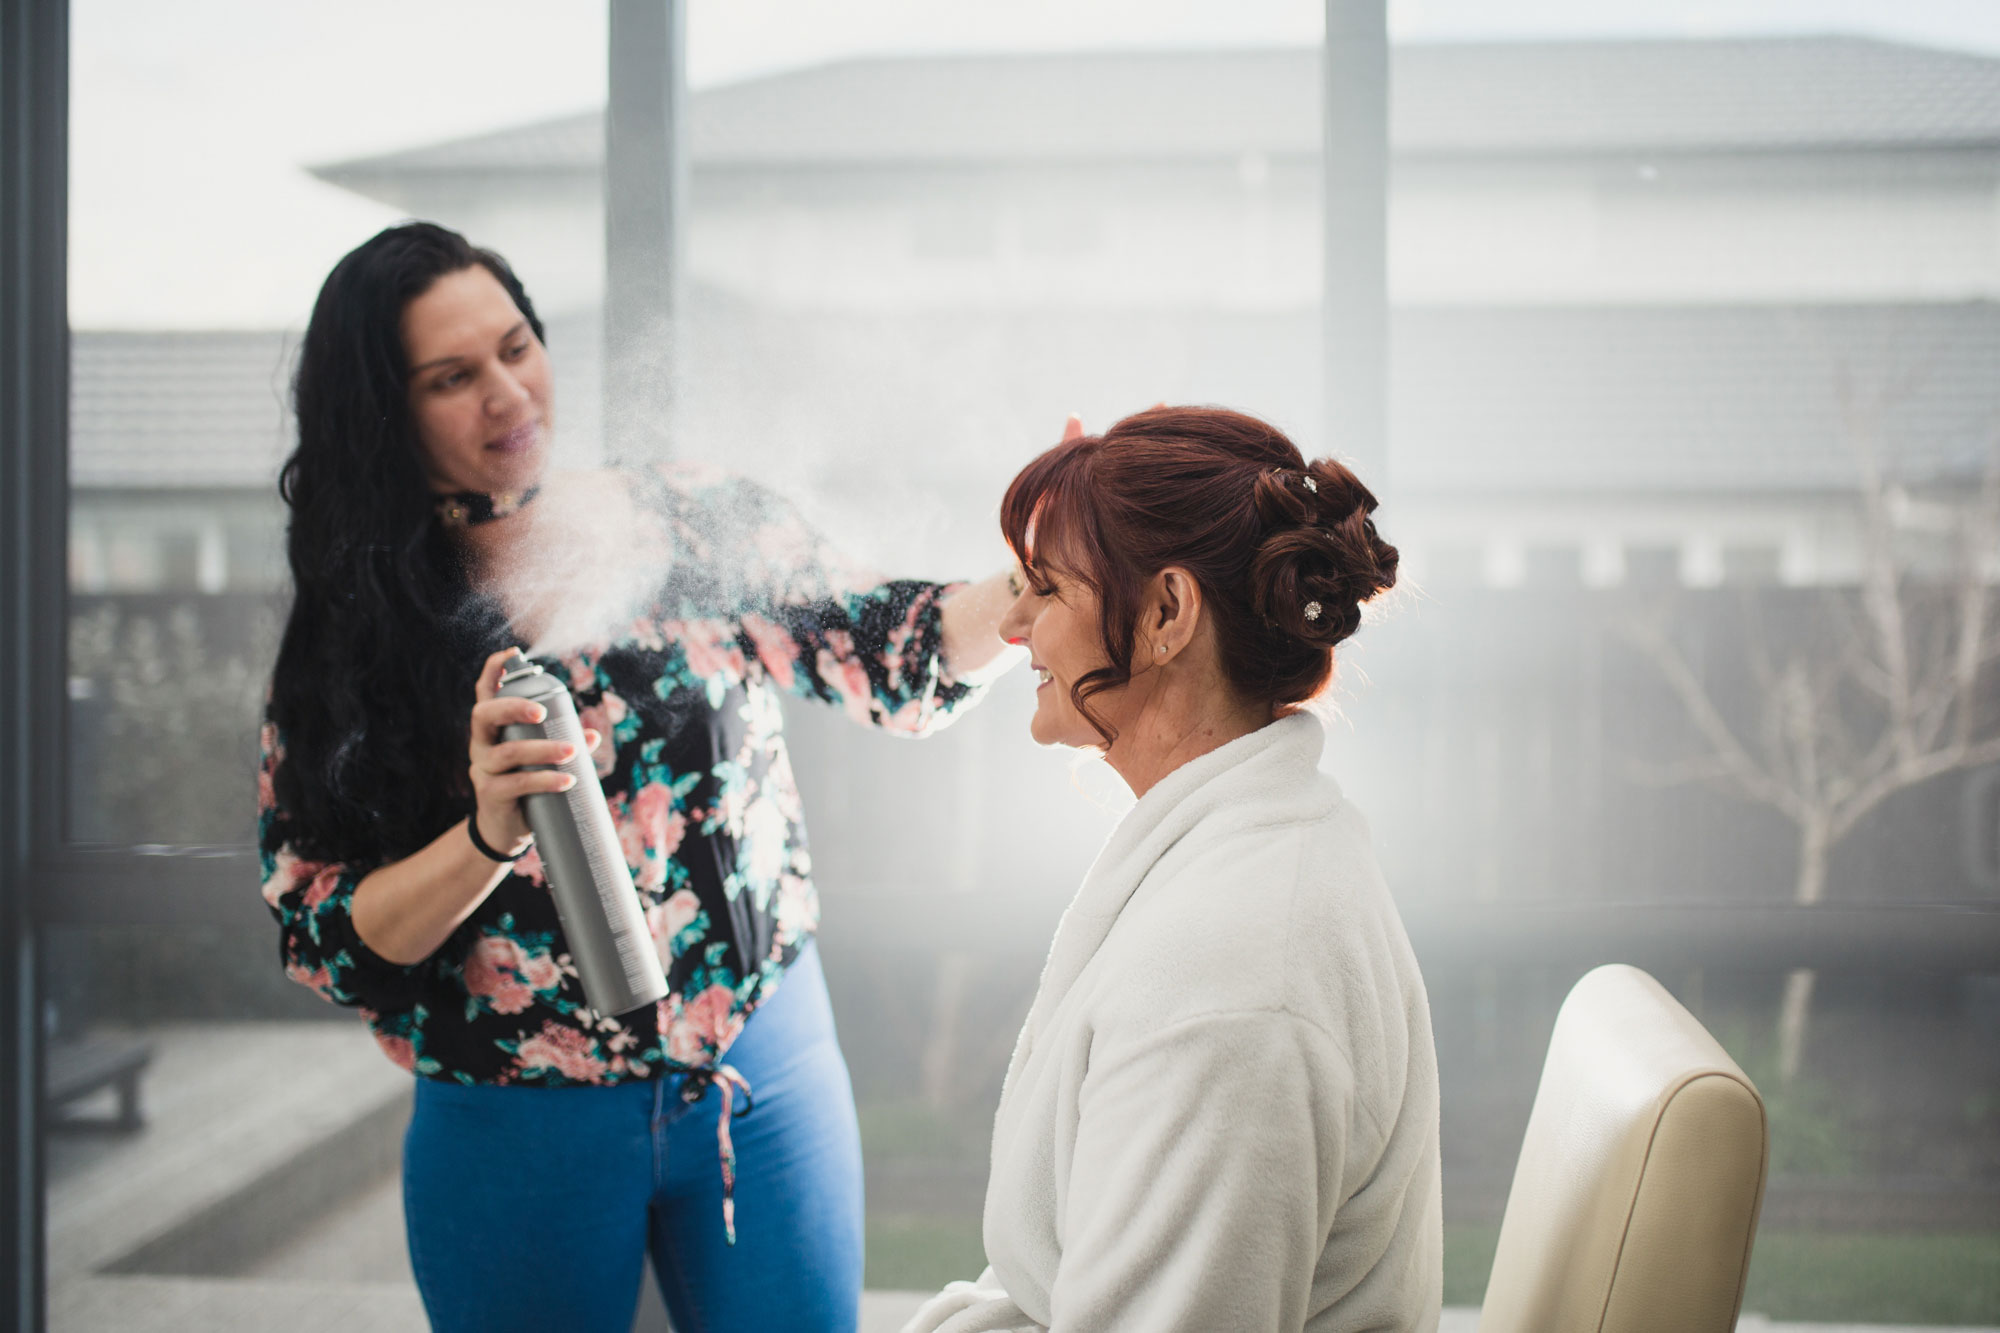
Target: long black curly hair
x=374 y=677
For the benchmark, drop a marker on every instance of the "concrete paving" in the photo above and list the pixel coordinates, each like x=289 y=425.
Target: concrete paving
x=241 y=1121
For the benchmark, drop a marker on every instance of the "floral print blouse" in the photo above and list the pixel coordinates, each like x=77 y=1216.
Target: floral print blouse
x=694 y=766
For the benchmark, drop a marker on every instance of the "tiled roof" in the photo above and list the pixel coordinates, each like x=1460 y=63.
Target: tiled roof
x=1696 y=400
x=1490 y=98
x=179 y=409
x=1691 y=399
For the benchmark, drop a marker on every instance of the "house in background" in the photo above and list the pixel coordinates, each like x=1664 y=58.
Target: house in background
x=1629 y=280
x=1646 y=299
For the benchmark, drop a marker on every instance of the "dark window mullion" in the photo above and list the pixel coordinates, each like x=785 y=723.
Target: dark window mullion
x=34 y=465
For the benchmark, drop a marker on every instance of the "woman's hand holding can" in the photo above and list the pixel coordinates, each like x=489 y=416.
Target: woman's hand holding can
x=504 y=771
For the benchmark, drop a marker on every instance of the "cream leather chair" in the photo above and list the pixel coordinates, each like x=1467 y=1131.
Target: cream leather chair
x=1637 y=1191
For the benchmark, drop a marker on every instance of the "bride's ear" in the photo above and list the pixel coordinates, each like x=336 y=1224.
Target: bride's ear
x=1171 y=612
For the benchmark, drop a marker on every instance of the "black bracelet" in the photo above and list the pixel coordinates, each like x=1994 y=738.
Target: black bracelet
x=472 y=832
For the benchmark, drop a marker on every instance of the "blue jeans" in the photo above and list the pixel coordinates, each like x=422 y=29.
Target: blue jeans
x=532 y=1208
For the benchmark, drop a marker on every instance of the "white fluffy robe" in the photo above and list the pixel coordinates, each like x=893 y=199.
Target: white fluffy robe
x=1222 y=1112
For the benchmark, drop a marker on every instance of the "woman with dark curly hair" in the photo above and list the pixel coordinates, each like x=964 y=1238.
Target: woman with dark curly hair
x=552 y=1145
x=1222 y=1112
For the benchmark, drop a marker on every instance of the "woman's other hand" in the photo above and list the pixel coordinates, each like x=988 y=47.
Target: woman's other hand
x=974 y=652
x=504 y=771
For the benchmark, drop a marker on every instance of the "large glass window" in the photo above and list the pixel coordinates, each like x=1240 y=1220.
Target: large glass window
x=189 y=1078
x=1689 y=461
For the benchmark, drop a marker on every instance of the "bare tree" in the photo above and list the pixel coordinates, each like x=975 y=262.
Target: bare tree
x=1885 y=697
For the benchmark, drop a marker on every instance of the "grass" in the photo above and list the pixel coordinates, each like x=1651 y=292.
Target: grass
x=909 y=1253
x=1935 y=1278
x=1468 y=1259
x=911 y=1131
x=1950 y=1277
x=1892 y=1278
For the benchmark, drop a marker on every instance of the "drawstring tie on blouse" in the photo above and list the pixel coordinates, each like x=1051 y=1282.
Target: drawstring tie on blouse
x=693 y=1089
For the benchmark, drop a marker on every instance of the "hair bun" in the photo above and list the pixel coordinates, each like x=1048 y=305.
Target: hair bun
x=1324 y=559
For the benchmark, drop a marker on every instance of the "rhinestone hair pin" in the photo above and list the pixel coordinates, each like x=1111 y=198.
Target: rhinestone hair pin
x=1312 y=486
x=1312 y=610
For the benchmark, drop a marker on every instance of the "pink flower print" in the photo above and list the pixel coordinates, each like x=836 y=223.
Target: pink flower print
x=541 y=972
x=646 y=634
x=313 y=979
x=913 y=718
x=322 y=887
x=631 y=837
x=668 y=919
x=582 y=675
x=671 y=833
x=712 y=1014
x=703 y=1026
x=678 y=912
x=602 y=718
x=711 y=650
x=848 y=679
x=529 y=866
x=775 y=648
x=492 y=973
x=399 y=1050
x=684 y=1046
x=564 y=1049
x=267 y=794
x=664 y=826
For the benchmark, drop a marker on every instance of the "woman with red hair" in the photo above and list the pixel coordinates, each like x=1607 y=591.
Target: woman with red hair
x=1222 y=1112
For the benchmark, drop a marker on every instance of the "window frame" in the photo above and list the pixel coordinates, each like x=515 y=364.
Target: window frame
x=45 y=881
x=34 y=484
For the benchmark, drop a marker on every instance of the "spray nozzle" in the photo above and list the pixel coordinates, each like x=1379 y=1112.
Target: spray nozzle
x=516 y=666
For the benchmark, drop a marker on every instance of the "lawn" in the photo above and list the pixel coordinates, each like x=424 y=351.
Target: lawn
x=909 y=1253
x=1950 y=1277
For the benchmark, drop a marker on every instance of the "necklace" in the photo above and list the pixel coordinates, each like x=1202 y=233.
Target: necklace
x=468 y=509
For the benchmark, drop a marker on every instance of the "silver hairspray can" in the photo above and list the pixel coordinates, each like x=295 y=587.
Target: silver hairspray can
x=614 y=952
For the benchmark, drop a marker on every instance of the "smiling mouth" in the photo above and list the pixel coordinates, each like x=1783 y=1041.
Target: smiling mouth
x=518 y=440
x=1045 y=674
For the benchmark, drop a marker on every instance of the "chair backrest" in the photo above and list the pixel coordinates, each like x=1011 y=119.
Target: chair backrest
x=1636 y=1195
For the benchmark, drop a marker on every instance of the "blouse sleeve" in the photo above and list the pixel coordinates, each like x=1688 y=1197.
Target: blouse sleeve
x=312 y=899
x=824 y=629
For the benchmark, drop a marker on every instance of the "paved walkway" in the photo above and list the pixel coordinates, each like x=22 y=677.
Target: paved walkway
x=207 y=1305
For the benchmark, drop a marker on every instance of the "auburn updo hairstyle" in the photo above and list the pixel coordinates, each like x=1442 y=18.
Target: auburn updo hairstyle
x=1285 y=551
